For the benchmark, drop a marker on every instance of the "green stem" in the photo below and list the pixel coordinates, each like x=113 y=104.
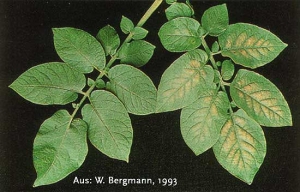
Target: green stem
x=142 y=21
x=213 y=62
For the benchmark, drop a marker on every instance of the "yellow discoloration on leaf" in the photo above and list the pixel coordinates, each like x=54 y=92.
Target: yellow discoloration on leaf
x=251 y=41
x=240 y=40
x=195 y=64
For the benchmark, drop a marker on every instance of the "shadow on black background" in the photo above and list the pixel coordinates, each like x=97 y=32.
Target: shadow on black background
x=158 y=148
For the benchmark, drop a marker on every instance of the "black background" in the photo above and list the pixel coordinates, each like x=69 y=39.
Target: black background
x=158 y=148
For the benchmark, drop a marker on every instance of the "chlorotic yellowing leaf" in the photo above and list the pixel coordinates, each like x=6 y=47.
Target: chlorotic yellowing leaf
x=134 y=88
x=250 y=45
x=241 y=148
x=49 y=83
x=60 y=148
x=182 y=82
x=109 y=124
x=79 y=49
x=261 y=99
x=180 y=34
x=201 y=122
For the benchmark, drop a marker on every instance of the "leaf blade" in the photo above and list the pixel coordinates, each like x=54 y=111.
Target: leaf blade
x=126 y=25
x=109 y=39
x=183 y=80
x=136 y=53
x=178 y=10
x=249 y=45
x=110 y=128
x=202 y=121
x=49 y=83
x=60 y=148
x=261 y=99
x=215 y=20
x=180 y=34
x=241 y=148
x=134 y=88
x=79 y=49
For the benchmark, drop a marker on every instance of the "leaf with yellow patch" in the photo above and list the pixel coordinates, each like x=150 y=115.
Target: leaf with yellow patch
x=261 y=99
x=250 y=45
x=183 y=80
x=241 y=148
x=202 y=121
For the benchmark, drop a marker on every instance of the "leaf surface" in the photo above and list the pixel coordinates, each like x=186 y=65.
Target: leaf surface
x=109 y=39
x=134 y=88
x=250 y=45
x=180 y=34
x=49 y=83
x=139 y=33
x=227 y=70
x=110 y=128
x=178 y=10
x=215 y=20
x=183 y=81
x=59 y=148
x=79 y=49
x=201 y=122
x=136 y=53
x=241 y=148
x=126 y=25
x=261 y=99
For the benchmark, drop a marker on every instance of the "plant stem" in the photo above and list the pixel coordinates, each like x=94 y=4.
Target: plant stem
x=213 y=62
x=142 y=21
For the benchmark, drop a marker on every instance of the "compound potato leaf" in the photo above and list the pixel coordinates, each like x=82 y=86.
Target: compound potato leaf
x=227 y=69
x=241 y=148
x=136 y=53
x=178 y=10
x=79 y=49
x=250 y=45
x=215 y=20
x=126 y=25
x=201 y=122
x=60 y=148
x=139 y=33
x=183 y=81
x=261 y=99
x=49 y=83
x=134 y=88
x=180 y=34
x=109 y=39
x=110 y=128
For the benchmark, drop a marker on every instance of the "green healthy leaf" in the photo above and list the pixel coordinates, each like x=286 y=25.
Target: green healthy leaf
x=217 y=76
x=227 y=69
x=90 y=82
x=100 y=83
x=110 y=128
x=201 y=122
x=139 y=33
x=215 y=20
x=109 y=39
x=126 y=25
x=215 y=47
x=261 y=99
x=134 y=88
x=49 y=83
x=79 y=49
x=170 y=1
x=241 y=148
x=60 y=148
x=183 y=81
x=250 y=45
x=136 y=53
x=178 y=10
x=180 y=34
